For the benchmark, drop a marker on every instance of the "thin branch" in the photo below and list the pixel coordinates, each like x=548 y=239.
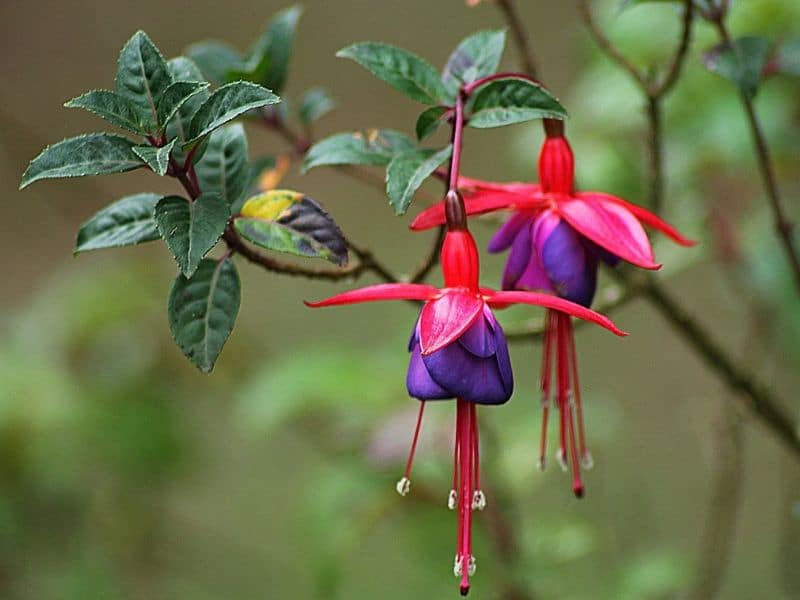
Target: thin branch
x=679 y=57
x=270 y=264
x=652 y=88
x=783 y=226
x=609 y=48
x=520 y=35
x=718 y=535
x=655 y=145
x=759 y=400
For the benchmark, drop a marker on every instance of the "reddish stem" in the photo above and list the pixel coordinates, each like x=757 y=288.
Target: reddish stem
x=410 y=461
x=474 y=85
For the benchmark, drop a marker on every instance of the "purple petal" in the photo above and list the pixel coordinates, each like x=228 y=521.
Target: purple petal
x=571 y=268
x=467 y=376
x=534 y=277
x=479 y=339
x=419 y=383
x=503 y=360
x=518 y=258
x=413 y=340
x=504 y=236
x=543 y=228
x=609 y=258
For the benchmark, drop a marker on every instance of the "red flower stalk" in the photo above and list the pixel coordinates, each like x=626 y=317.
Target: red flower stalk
x=458 y=350
x=557 y=236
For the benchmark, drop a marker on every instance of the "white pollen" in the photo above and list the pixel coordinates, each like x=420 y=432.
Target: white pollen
x=403 y=486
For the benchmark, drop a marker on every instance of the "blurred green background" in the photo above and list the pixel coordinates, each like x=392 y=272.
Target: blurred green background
x=125 y=473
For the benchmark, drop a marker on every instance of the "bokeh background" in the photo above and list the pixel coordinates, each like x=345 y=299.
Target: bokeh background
x=125 y=473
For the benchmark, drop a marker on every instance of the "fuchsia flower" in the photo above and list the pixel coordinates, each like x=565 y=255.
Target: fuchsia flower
x=458 y=350
x=556 y=237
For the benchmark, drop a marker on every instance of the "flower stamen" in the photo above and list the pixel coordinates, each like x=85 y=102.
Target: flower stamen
x=404 y=484
x=545 y=386
x=468 y=496
x=567 y=399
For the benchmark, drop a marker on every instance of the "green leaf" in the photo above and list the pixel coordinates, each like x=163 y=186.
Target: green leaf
x=288 y=221
x=475 y=57
x=215 y=60
x=142 y=77
x=269 y=58
x=372 y=147
x=203 y=309
x=406 y=173
x=223 y=168
x=191 y=229
x=399 y=68
x=183 y=69
x=157 y=158
x=175 y=96
x=112 y=107
x=90 y=154
x=314 y=104
x=742 y=62
x=512 y=100
x=788 y=57
x=126 y=222
x=429 y=121
x=227 y=103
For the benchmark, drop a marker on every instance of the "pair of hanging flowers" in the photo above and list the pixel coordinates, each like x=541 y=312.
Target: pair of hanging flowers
x=556 y=236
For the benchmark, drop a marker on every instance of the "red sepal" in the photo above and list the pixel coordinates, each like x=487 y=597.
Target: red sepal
x=468 y=185
x=478 y=203
x=504 y=299
x=610 y=226
x=383 y=291
x=644 y=215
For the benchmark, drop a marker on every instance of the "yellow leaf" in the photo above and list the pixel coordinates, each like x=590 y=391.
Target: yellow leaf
x=271 y=205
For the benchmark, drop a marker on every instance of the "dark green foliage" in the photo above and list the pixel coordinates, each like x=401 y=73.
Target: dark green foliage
x=126 y=222
x=512 y=100
x=90 y=154
x=406 y=173
x=741 y=62
x=202 y=310
x=191 y=229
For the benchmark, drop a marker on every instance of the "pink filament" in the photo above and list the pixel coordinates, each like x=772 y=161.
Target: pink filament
x=545 y=383
x=577 y=391
x=566 y=367
x=414 y=441
x=466 y=427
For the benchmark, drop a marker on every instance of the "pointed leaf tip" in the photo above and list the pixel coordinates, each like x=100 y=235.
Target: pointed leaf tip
x=202 y=310
x=401 y=69
x=89 y=154
x=191 y=229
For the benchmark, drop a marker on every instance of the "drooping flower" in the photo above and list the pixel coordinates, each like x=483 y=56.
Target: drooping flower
x=557 y=236
x=458 y=351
